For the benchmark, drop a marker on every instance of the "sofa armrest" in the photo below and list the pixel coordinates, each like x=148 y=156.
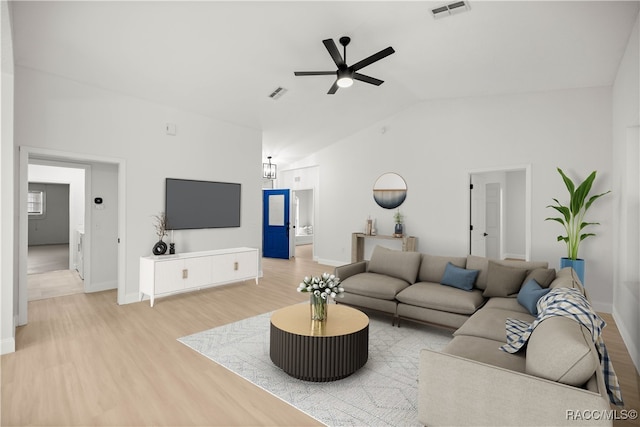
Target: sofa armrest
x=457 y=391
x=348 y=270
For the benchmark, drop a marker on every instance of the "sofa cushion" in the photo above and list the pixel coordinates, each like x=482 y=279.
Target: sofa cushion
x=459 y=277
x=485 y=351
x=560 y=349
x=490 y=323
x=374 y=285
x=529 y=295
x=398 y=264
x=438 y=297
x=544 y=276
x=507 y=303
x=482 y=264
x=432 y=267
x=503 y=280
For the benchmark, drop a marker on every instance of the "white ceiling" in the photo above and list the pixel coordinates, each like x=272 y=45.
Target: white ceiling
x=223 y=59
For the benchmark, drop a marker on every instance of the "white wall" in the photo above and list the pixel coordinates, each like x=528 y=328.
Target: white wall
x=435 y=144
x=8 y=262
x=81 y=119
x=626 y=119
x=103 y=251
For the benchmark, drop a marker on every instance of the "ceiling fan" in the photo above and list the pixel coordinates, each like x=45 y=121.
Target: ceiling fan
x=345 y=75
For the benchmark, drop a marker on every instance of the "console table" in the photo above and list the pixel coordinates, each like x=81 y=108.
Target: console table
x=313 y=350
x=170 y=274
x=357 y=244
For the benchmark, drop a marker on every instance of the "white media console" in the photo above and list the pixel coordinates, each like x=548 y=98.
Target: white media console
x=171 y=274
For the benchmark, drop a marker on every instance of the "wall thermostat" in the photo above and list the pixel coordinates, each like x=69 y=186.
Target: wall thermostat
x=97 y=200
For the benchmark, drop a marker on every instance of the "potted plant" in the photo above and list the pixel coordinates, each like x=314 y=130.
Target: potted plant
x=398 y=218
x=572 y=219
x=160 y=224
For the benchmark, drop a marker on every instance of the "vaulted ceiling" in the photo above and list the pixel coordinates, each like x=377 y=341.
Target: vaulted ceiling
x=223 y=59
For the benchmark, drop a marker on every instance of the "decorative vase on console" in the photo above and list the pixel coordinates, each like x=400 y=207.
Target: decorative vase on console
x=398 y=230
x=160 y=224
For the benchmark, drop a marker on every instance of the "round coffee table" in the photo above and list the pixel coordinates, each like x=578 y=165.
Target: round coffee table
x=319 y=351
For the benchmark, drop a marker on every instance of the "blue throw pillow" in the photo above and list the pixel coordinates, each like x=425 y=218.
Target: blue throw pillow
x=529 y=295
x=458 y=277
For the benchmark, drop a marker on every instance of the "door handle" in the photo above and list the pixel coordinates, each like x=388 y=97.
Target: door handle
x=485 y=234
x=288 y=229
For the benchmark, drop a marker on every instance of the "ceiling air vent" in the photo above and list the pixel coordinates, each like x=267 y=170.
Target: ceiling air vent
x=277 y=93
x=450 y=9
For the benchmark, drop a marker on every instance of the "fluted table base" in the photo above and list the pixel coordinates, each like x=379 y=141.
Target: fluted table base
x=325 y=351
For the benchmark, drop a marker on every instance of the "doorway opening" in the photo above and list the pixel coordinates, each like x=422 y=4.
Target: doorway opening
x=303 y=222
x=102 y=177
x=56 y=211
x=499 y=213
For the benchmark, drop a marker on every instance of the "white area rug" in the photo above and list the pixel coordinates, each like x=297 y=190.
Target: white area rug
x=382 y=393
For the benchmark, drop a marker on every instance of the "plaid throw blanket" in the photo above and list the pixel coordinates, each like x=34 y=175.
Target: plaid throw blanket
x=570 y=303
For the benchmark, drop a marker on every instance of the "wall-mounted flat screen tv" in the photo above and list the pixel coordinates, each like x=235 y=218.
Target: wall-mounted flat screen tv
x=193 y=204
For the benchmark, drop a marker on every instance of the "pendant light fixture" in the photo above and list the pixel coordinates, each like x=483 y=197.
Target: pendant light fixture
x=269 y=170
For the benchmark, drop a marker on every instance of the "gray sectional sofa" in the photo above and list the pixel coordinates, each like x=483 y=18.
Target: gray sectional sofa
x=555 y=380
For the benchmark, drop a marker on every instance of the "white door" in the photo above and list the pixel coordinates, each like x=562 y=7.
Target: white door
x=493 y=209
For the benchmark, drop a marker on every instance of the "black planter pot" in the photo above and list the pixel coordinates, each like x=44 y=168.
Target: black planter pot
x=160 y=248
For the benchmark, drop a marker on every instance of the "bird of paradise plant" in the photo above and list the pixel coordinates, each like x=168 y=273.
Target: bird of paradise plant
x=573 y=215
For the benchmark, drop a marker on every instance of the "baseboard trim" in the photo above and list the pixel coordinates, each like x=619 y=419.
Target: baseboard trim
x=602 y=307
x=103 y=286
x=331 y=262
x=131 y=298
x=8 y=345
x=633 y=347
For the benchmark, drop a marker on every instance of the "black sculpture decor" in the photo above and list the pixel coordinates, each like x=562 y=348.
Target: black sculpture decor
x=160 y=248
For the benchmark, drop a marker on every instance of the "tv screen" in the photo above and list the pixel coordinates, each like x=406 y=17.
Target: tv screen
x=193 y=204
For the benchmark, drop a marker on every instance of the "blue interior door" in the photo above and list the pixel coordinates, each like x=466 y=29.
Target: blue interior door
x=275 y=224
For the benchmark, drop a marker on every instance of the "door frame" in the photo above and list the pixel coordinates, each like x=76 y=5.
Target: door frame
x=500 y=223
x=528 y=194
x=27 y=153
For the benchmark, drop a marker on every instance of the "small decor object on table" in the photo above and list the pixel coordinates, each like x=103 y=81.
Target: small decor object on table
x=160 y=224
x=172 y=245
x=321 y=289
x=399 y=229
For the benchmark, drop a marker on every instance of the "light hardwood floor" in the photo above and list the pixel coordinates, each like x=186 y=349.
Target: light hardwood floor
x=48 y=273
x=84 y=360
x=43 y=258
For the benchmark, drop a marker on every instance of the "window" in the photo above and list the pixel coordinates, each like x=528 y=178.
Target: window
x=35 y=202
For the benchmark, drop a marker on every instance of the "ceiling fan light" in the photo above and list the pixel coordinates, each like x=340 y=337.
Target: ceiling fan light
x=345 y=81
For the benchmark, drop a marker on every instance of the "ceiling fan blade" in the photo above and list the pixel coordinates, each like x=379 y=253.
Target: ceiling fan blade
x=334 y=88
x=334 y=52
x=367 y=79
x=373 y=58
x=314 y=73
